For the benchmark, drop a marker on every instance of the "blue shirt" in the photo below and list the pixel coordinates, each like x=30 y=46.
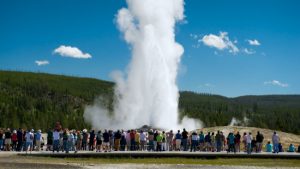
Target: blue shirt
x=38 y=136
x=269 y=147
x=231 y=139
x=178 y=136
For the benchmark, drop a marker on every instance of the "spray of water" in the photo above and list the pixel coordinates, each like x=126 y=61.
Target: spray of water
x=147 y=93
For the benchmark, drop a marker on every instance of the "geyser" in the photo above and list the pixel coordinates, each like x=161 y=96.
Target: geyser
x=147 y=93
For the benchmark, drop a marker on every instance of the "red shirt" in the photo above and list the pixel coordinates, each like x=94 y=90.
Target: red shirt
x=132 y=135
x=14 y=137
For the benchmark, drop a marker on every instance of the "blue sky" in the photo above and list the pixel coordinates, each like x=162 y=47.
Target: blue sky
x=218 y=57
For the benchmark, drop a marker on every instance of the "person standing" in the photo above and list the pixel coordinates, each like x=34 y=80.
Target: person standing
x=201 y=141
x=143 y=140
x=111 y=140
x=155 y=139
x=164 y=140
x=223 y=141
x=137 y=140
x=78 y=140
x=106 y=140
x=230 y=142
x=71 y=141
x=249 y=141
x=245 y=141
x=132 y=140
x=74 y=148
x=275 y=140
x=170 y=136
x=218 y=141
x=49 y=140
x=194 y=140
x=213 y=142
x=29 y=141
x=159 y=139
x=117 y=140
x=178 y=140
x=14 y=139
x=85 y=137
x=20 y=139
x=207 y=141
x=259 y=142
x=128 y=141
x=65 y=140
x=38 y=140
x=237 y=142
x=151 y=140
x=184 y=139
x=91 y=141
x=99 y=141
x=1 y=139
x=56 y=139
x=7 y=139
x=123 y=141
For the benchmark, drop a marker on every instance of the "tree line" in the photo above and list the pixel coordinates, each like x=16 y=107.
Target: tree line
x=38 y=100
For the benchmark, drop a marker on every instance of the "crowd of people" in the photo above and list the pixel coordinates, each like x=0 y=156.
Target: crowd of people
x=137 y=140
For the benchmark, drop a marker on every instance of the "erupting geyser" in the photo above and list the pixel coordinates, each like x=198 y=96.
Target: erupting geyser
x=148 y=93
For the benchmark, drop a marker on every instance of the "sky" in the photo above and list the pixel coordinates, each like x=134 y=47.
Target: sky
x=231 y=47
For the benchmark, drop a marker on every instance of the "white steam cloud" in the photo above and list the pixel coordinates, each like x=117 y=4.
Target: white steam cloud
x=236 y=122
x=147 y=94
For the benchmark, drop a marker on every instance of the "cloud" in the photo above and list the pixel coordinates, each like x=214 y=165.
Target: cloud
x=276 y=83
x=254 y=42
x=42 y=62
x=73 y=52
x=220 y=42
x=249 y=51
x=208 y=85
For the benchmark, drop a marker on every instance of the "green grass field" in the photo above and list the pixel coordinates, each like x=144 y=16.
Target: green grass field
x=218 y=161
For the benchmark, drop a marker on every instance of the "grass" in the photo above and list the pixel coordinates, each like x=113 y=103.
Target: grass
x=218 y=161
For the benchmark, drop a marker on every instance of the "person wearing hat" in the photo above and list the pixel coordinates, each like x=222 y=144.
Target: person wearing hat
x=38 y=140
x=29 y=141
x=14 y=140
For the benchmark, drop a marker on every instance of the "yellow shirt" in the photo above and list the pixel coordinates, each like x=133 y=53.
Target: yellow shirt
x=137 y=137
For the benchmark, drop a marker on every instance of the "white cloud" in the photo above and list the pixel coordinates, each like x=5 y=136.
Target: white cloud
x=42 y=62
x=254 y=42
x=73 y=52
x=276 y=83
x=208 y=85
x=220 y=42
x=249 y=51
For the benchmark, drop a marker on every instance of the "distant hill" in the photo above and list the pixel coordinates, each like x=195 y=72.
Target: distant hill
x=285 y=138
x=278 y=112
x=38 y=100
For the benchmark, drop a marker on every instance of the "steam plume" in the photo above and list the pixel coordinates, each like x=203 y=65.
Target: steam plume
x=147 y=93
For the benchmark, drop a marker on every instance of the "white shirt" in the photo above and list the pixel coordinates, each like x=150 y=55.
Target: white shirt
x=249 y=139
x=194 y=137
x=55 y=135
